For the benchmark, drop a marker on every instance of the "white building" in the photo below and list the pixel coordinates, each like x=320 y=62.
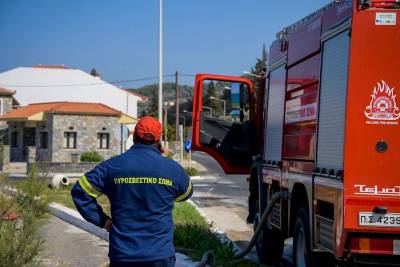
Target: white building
x=57 y=83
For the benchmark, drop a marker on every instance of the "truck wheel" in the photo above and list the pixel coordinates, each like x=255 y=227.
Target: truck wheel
x=270 y=243
x=301 y=240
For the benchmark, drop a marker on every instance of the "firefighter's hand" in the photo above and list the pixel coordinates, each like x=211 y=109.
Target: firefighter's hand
x=108 y=225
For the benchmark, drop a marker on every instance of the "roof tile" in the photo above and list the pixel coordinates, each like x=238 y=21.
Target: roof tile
x=61 y=107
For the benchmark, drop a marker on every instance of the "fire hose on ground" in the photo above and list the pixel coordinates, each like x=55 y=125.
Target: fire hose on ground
x=208 y=256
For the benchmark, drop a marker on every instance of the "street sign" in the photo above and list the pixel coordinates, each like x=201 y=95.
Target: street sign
x=188 y=145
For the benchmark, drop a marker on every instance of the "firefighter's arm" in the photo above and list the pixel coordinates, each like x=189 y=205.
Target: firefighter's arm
x=185 y=188
x=86 y=190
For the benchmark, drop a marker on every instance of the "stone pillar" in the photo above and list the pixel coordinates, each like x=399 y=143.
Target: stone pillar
x=31 y=157
x=5 y=157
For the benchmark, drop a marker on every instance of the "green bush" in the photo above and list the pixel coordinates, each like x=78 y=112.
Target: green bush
x=91 y=156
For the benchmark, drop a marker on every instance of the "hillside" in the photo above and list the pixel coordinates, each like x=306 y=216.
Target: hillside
x=151 y=91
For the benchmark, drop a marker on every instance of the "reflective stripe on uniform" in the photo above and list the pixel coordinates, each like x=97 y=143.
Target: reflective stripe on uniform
x=186 y=193
x=88 y=188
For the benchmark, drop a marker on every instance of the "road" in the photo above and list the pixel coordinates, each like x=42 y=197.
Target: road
x=223 y=198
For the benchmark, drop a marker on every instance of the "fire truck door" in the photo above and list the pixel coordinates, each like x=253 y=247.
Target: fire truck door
x=222 y=127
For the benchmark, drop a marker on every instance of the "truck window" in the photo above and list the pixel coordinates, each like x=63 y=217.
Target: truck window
x=225 y=119
x=226 y=101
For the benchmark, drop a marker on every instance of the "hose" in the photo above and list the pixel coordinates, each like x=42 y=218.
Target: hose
x=207 y=257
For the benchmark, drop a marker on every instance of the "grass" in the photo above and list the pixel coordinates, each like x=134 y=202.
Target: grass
x=192 y=234
x=191 y=171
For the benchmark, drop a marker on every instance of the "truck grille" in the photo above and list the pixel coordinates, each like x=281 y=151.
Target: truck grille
x=324 y=233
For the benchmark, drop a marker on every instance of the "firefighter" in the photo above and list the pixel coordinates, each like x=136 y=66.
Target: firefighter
x=142 y=186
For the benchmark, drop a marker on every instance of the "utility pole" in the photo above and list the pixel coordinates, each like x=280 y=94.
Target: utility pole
x=176 y=107
x=165 y=125
x=160 y=62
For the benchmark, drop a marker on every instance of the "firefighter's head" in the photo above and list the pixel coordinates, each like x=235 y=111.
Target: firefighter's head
x=148 y=130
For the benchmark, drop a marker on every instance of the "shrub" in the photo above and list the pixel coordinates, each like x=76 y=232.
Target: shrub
x=91 y=156
x=20 y=243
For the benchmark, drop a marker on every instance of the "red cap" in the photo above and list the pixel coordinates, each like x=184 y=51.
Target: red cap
x=148 y=129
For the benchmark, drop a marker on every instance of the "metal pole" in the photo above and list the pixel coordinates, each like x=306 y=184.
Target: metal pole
x=210 y=109
x=176 y=107
x=122 y=138
x=166 y=127
x=181 y=143
x=160 y=62
x=184 y=121
x=224 y=108
x=190 y=158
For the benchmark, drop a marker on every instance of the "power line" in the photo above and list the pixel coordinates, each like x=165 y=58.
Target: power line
x=87 y=84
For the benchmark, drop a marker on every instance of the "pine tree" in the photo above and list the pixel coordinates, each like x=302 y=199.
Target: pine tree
x=94 y=73
x=258 y=68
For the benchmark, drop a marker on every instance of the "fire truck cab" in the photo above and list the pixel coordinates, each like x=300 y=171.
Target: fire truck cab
x=323 y=126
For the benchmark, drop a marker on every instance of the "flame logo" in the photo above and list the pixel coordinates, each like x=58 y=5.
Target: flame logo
x=383 y=104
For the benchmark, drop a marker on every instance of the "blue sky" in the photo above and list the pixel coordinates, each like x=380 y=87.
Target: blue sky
x=120 y=37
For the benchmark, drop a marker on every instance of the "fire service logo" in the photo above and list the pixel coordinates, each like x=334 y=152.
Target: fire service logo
x=382 y=109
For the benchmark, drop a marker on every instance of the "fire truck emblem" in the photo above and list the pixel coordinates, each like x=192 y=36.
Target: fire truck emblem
x=383 y=104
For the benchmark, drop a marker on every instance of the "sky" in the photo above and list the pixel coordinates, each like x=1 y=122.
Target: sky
x=120 y=37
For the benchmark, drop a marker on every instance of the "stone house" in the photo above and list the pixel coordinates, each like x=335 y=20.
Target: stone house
x=59 y=132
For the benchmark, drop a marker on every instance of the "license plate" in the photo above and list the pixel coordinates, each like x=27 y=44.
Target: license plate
x=380 y=220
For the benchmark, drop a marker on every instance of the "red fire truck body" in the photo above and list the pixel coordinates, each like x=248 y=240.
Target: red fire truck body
x=327 y=126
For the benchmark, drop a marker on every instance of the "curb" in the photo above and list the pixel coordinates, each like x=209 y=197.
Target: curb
x=221 y=235
x=73 y=217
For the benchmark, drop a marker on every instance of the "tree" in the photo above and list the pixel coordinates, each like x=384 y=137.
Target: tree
x=215 y=105
x=259 y=68
x=94 y=73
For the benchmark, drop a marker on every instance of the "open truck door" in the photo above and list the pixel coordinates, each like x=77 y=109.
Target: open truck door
x=223 y=109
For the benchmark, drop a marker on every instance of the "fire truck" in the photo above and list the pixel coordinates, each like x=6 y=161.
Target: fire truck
x=323 y=126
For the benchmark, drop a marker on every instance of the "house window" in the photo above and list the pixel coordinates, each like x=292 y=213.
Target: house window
x=43 y=140
x=70 y=140
x=14 y=139
x=103 y=140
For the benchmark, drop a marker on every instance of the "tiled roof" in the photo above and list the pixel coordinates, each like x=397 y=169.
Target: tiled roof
x=49 y=67
x=6 y=92
x=61 y=107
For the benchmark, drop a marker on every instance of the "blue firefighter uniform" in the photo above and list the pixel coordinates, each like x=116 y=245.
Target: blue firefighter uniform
x=142 y=186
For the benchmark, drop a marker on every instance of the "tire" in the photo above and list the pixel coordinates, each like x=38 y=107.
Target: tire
x=270 y=244
x=302 y=253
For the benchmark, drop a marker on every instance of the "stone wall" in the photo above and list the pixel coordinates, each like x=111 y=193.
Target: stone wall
x=51 y=167
x=86 y=127
x=5 y=157
x=44 y=154
x=6 y=106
